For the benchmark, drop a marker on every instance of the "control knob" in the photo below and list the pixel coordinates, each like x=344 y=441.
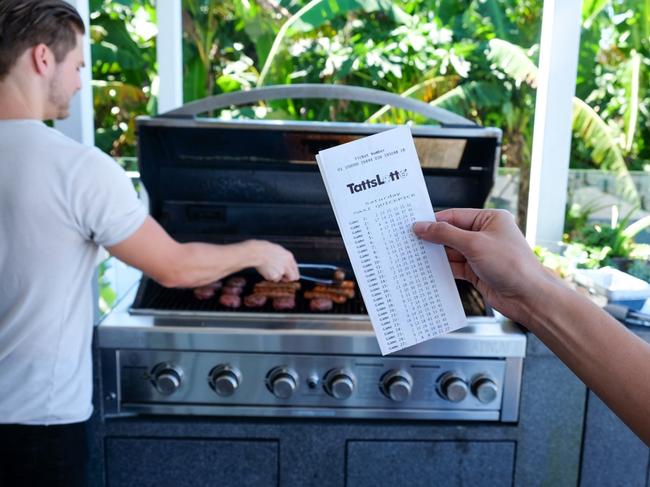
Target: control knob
x=453 y=388
x=282 y=382
x=339 y=383
x=485 y=389
x=397 y=385
x=225 y=379
x=166 y=378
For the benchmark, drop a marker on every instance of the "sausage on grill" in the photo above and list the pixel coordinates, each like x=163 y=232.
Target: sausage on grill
x=281 y=284
x=338 y=299
x=345 y=284
x=320 y=304
x=284 y=304
x=276 y=294
x=255 y=300
x=230 y=301
x=348 y=292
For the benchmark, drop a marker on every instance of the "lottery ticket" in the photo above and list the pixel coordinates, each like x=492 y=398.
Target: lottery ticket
x=377 y=190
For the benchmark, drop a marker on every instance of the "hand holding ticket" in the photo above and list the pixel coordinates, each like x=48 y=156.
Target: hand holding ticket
x=377 y=190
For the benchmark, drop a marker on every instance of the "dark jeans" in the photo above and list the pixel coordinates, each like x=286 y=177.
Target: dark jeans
x=35 y=456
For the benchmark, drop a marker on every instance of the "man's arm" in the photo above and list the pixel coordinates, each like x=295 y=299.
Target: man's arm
x=609 y=358
x=175 y=264
x=486 y=248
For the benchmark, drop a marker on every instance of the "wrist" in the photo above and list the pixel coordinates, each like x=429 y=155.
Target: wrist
x=252 y=252
x=544 y=300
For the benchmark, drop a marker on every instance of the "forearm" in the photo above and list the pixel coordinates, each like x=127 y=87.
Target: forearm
x=175 y=264
x=486 y=248
x=197 y=263
x=611 y=360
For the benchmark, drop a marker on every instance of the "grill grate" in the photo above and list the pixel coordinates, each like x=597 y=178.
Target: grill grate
x=152 y=296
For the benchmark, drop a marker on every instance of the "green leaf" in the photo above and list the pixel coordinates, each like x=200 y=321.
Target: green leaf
x=449 y=10
x=472 y=96
x=327 y=10
x=513 y=61
x=637 y=227
x=632 y=88
x=118 y=47
x=591 y=9
x=194 y=80
x=496 y=13
x=227 y=84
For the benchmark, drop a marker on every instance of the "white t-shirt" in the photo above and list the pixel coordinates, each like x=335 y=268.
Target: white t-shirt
x=59 y=202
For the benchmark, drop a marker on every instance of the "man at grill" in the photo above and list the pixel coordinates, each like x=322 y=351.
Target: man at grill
x=486 y=248
x=60 y=202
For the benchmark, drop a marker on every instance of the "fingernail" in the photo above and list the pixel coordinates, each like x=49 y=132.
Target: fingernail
x=420 y=227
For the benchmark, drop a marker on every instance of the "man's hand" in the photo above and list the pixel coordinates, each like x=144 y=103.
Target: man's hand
x=274 y=262
x=486 y=248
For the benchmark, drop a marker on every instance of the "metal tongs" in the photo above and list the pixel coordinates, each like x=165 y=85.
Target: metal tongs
x=627 y=315
x=321 y=267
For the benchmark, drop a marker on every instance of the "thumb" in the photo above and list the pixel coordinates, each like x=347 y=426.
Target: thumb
x=444 y=233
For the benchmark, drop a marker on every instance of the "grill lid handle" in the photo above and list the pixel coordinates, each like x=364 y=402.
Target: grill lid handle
x=321 y=91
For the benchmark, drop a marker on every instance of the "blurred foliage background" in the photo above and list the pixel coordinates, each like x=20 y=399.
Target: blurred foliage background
x=477 y=58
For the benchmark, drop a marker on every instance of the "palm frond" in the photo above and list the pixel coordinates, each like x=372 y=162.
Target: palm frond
x=605 y=152
x=591 y=9
x=637 y=227
x=631 y=114
x=513 y=61
x=426 y=90
x=472 y=96
x=587 y=124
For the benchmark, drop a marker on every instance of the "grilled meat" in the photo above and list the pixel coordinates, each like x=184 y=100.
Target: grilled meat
x=284 y=304
x=321 y=304
x=255 y=300
x=230 y=301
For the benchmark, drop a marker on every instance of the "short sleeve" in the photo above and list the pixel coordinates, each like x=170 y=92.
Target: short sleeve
x=104 y=202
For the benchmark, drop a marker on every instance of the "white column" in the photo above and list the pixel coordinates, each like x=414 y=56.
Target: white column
x=80 y=125
x=169 y=54
x=558 y=61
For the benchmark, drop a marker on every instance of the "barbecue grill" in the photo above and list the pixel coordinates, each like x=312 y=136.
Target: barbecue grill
x=165 y=352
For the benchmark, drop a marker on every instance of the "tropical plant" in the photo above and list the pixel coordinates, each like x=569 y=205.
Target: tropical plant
x=587 y=124
x=123 y=68
x=616 y=237
x=577 y=217
x=613 y=80
x=461 y=58
x=465 y=56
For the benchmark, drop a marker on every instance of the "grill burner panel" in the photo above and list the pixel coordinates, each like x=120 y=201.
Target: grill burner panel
x=153 y=299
